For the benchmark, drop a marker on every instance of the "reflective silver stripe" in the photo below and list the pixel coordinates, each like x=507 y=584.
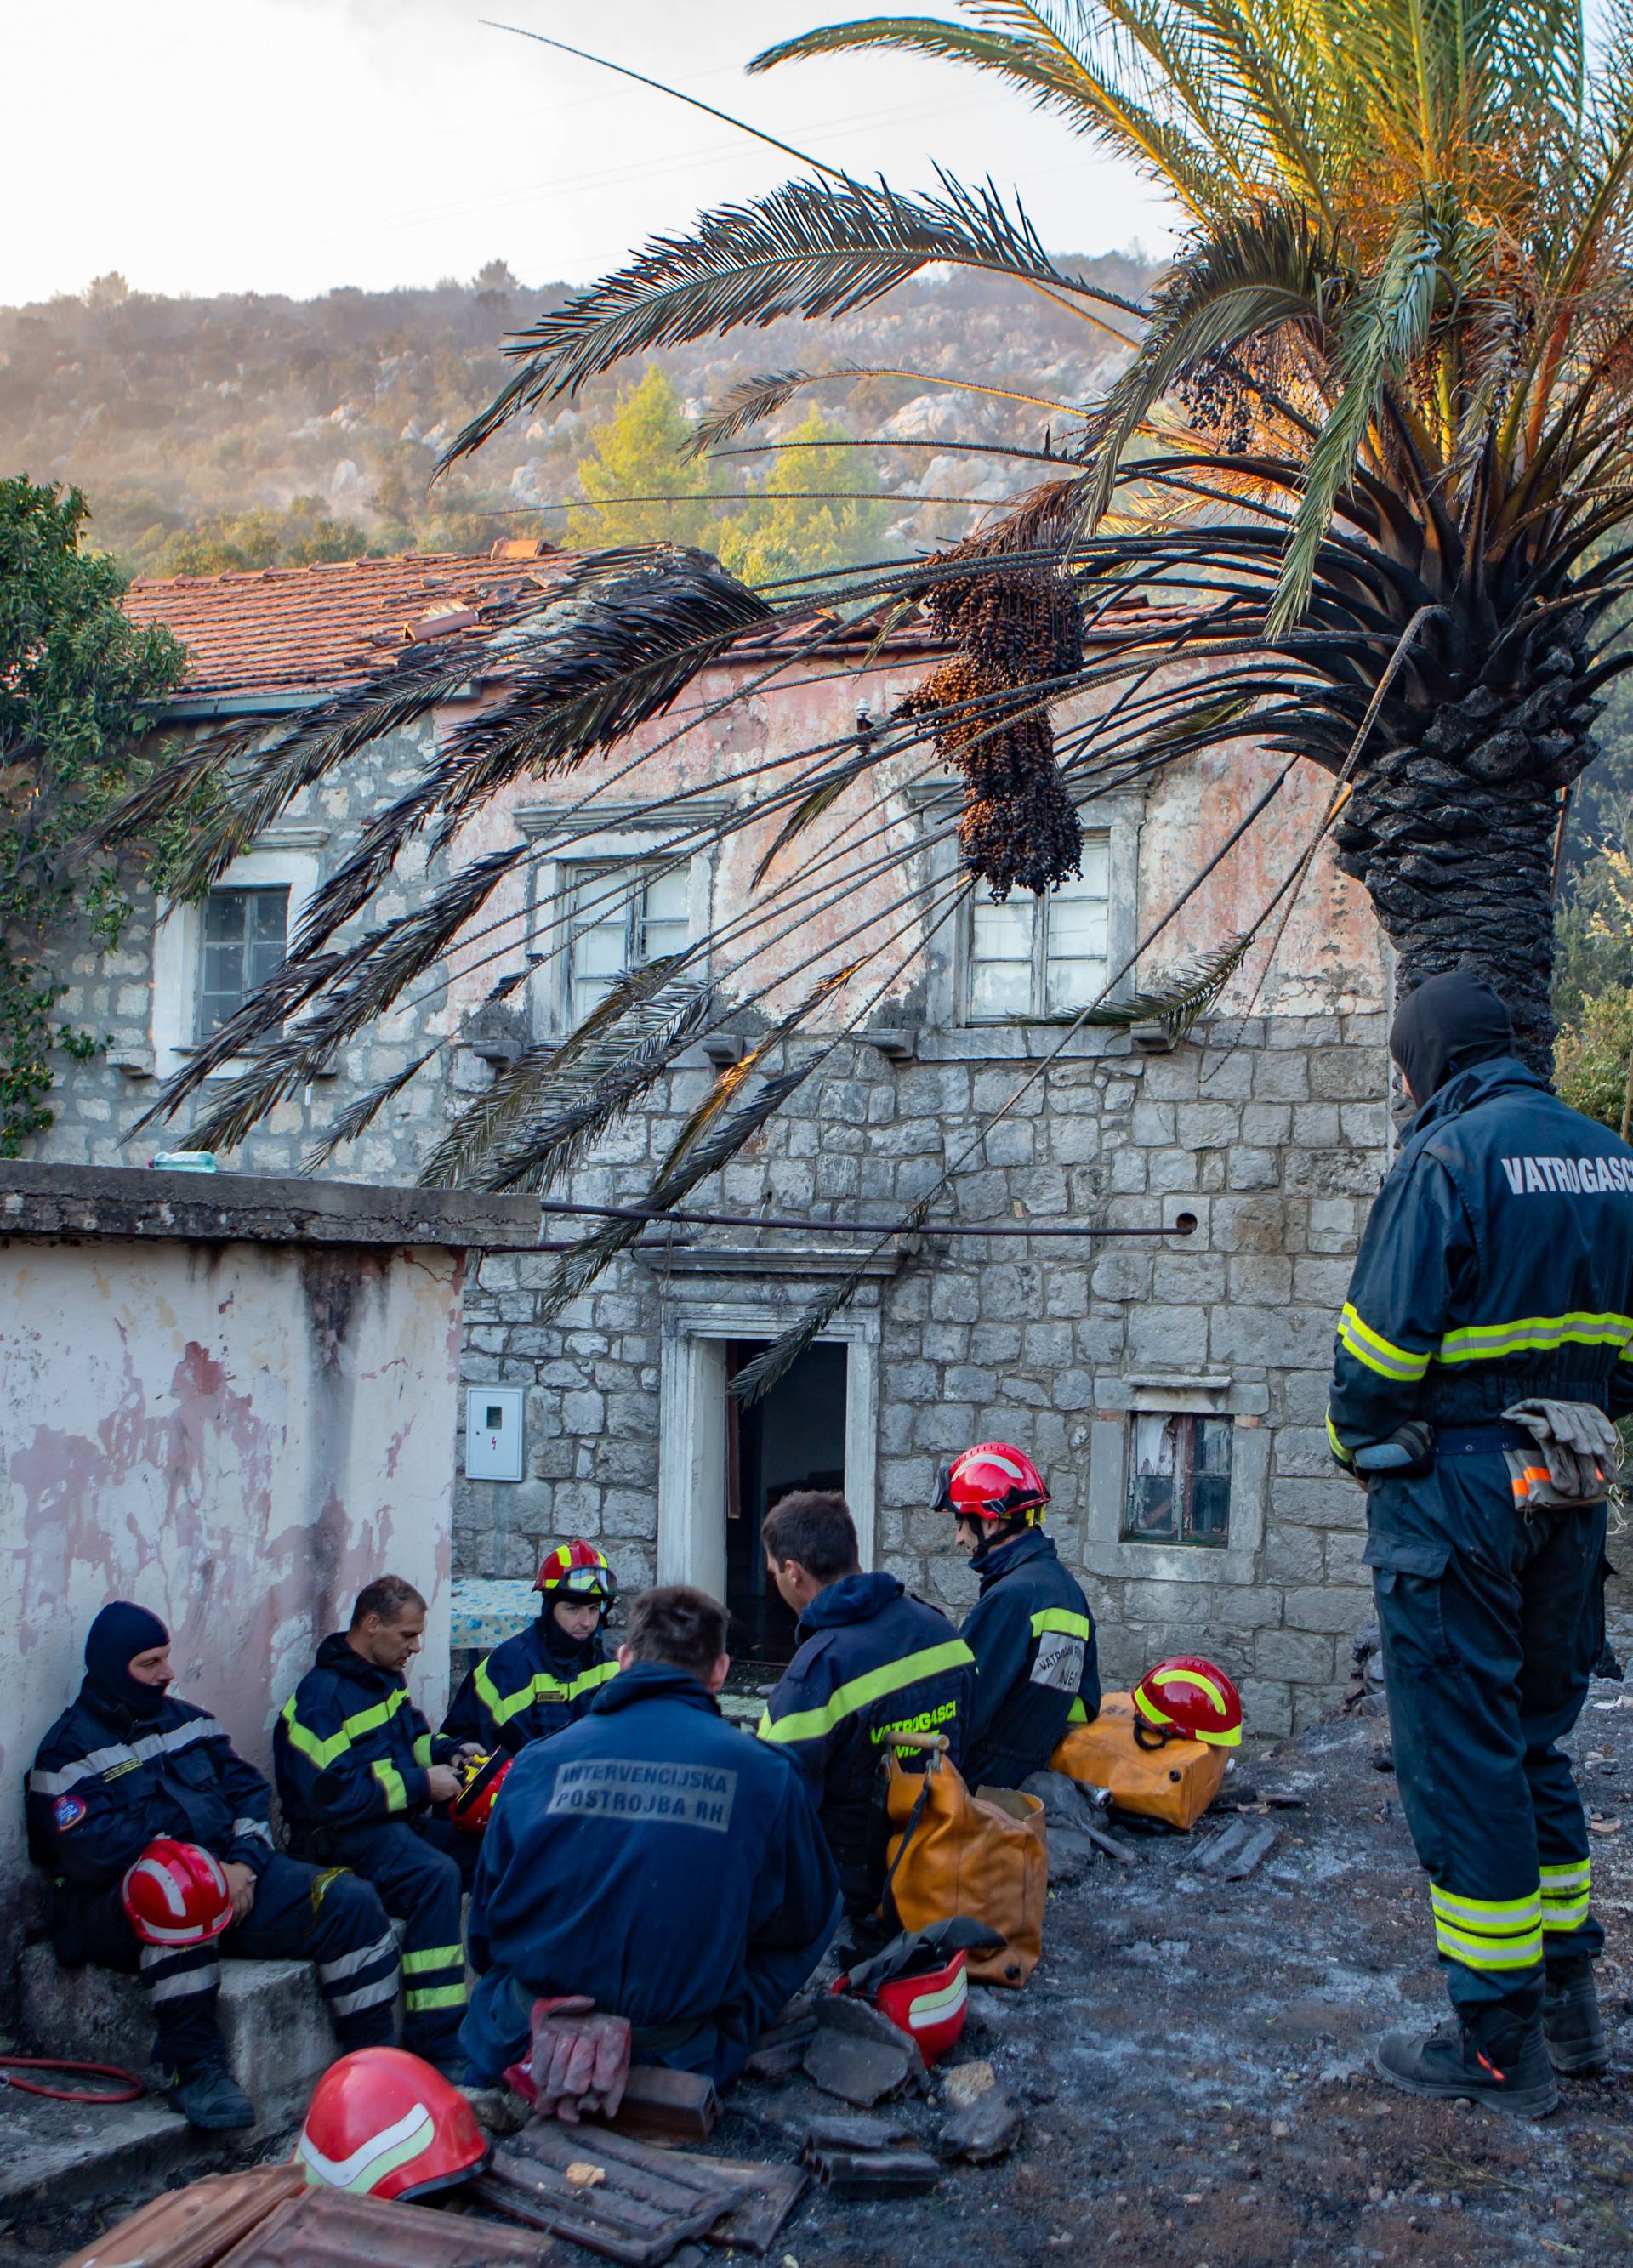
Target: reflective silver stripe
x=186 y=1986
x=139 y=1752
x=251 y=1830
x=347 y=1964
x=367 y=1996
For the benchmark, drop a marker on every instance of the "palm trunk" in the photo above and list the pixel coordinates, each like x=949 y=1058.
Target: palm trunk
x=1454 y=838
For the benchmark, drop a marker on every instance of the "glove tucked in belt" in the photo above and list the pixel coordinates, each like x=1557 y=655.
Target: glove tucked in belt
x=1577 y=1458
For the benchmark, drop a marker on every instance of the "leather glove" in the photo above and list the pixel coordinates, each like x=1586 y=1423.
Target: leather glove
x=1579 y=1445
x=580 y=2060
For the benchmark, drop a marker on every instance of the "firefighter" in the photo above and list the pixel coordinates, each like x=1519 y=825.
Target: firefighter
x=872 y=1661
x=1490 y=1309
x=545 y=1677
x=357 y=1773
x=1036 y=1665
x=654 y=1859
x=129 y=1766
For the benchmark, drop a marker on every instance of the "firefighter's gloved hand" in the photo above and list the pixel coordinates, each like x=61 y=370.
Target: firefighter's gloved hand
x=1409 y=1450
x=581 y=2061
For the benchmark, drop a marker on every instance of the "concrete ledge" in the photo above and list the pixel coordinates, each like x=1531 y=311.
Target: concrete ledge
x=69 y=1202
x=277 y=2033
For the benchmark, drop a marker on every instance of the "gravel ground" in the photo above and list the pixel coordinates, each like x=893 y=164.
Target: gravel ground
x=1194 y=2062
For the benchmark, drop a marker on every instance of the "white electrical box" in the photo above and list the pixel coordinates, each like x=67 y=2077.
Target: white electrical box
x=493 y=1443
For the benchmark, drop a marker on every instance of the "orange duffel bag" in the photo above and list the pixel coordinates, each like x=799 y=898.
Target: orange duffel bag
x=986 y=1856
x=1175 y=1783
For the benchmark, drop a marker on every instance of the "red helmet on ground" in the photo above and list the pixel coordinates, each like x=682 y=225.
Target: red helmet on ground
x=480 y=1779
x=577 y=1571
x=383 y=2124
x=176 y=1894
x=930 y=2008
x=993 y=1481
x=1186 y=1698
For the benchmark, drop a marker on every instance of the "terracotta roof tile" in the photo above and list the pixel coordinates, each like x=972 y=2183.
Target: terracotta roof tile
x=298 y=629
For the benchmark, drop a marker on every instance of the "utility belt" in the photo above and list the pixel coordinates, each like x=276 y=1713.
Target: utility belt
x=1489 y=1438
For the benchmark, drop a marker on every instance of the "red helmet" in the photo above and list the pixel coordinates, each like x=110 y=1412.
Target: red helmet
x=176 y=1894
x=1186 y=1698
x=383 y=2123
x=929 y=2008
x=480 y=1781
x=577 y=1570
x=992 y=1481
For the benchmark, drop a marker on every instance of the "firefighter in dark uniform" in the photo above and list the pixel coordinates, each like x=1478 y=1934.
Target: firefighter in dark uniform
x=872 y=1661
x=1495 y=1275
x=130 y=1763
x=1036 y=1664
x=358 y=1772
x=544 y=1678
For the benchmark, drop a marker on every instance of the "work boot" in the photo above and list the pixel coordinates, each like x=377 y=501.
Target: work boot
x=1571 y=2025
x=1501 y=2061
x=209 y=2097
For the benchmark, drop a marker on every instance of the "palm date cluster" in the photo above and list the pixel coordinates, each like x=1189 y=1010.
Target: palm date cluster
x=1013 y=629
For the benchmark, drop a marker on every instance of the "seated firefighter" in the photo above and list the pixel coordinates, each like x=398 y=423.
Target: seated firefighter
x=155 y=1835
x=545 y=1677
x=357 y=1773
x=1036 y=1665
x=873 y=1662
x=654 y=1859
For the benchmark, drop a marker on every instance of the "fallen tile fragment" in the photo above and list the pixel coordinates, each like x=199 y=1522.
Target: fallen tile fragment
x=326 y=2229
x=194 y=2227
x=1231 y=1855
x=858 y=2071
x=983 y=2131
x=838 y=2129
x=876 y=2173
x=650 y=2202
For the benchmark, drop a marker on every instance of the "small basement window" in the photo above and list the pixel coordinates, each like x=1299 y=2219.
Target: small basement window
x=243 y=934
x=1179 y=1480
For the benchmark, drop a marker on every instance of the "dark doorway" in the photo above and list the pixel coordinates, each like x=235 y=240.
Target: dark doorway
x=792 y=1437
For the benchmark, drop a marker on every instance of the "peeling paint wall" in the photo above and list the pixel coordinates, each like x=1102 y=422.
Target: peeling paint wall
x=237 y=1435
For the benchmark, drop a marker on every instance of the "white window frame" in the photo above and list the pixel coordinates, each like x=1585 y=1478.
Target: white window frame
x=285 y=858
x=624 y=835
x=1038 y=911
x=1106 y=1551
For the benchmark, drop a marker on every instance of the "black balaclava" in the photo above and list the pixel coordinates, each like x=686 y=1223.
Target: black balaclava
x=556 y=1640
x=1447 y=1025
x=119 y=1633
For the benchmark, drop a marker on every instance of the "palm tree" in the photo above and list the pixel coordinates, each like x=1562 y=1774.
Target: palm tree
x=1372 y=445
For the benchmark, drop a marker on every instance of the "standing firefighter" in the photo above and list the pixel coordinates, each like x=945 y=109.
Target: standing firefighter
x=1488 y=1329
x=544 y=1678
x=1037 y=1666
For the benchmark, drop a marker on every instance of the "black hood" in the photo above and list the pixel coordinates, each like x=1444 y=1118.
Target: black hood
x=1448 y=1024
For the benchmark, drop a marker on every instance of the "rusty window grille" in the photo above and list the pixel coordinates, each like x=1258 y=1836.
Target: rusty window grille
x=1179 y=1480
x=242 y=937
x=618 y=917
x=1033 y=958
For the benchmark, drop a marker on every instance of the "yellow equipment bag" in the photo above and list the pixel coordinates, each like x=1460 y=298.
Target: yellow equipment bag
x=984 y=1855
x=1176 y=1782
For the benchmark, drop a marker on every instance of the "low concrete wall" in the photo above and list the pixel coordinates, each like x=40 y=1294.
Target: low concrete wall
x=232 y=1399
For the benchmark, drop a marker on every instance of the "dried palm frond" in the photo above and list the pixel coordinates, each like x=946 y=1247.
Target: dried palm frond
x=1178 y=998
x=361 y=1112
x=759 y=1375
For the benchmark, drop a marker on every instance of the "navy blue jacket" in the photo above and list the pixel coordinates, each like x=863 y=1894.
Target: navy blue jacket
x=350 y=1748
x=1497 y=1265
x=654 y=1857
x=535 y=1683
x=1036 y=1664
x=105 y=1783
x=872 y=1661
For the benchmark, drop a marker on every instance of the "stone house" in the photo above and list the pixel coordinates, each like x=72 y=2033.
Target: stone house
x=1172 y=1385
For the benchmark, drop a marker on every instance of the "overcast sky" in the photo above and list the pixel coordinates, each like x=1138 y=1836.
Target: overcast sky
x=293 y=145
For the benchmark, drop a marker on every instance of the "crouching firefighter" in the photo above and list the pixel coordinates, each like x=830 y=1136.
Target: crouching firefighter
x=154 y=1832
x=872 y=1660
x=1036 y=1665
x=653 y=1859
x=1487 y=1340
x=545 y=1677
x=358 y=1772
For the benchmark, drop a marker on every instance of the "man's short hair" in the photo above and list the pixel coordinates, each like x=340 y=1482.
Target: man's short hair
x=814 y=1526
x=389 y=1596
x=679 y=1625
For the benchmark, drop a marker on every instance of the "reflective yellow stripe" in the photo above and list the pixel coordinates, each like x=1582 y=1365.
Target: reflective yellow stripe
x=391 y=1780
x=323 y=1752
x=1489 y=1933
x=1344 y=1457
x=422 y=1750
x=874 y=1685
x=434 y=1956
x=1060 y=1619
x=1566 y=1894
x=434 y=1996
x=1535 y=1334
x=1487 y=1913
x=1377 y=1353
x=1489 y=1952
x=1230 y=1740
x=541 y=1688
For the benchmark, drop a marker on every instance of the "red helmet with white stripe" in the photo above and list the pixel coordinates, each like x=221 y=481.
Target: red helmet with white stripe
x=176 y=1894
x=383 y=2124
x=1186 y=1698
x=930 y=2008
x=577 y=1571
x=993 y=1481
